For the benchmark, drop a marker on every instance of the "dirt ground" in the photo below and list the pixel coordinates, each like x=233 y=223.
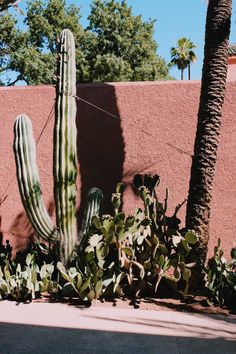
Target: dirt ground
x=197 y=304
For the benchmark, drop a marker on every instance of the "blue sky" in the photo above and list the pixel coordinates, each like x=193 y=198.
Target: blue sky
x=174 y=19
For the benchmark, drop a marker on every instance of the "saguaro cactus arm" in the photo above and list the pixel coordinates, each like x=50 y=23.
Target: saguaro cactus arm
x=29 y=182
x=65 y=148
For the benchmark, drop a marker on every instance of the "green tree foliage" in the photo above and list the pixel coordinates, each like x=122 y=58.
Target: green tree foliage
x=5 y=4
x=10 y=41
x=124 y=43
x=116 y=46
x=33 y=55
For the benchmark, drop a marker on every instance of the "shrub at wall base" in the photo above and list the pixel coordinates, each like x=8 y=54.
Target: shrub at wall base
x=132 y=255
x=221 y=278
x=116 y=254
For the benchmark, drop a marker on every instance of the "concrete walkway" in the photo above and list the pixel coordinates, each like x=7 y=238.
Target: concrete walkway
x=40 y=328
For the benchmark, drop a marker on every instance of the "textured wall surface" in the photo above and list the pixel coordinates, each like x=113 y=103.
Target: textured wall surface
x=150 y=129
x=231 y=69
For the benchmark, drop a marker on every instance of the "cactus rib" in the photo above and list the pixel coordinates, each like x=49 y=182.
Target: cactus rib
x=93 y=207
x=94 y=200
x=28 y=180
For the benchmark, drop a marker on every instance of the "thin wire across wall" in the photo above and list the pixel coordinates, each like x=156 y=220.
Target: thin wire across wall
x=5 y=194
x=51 y=114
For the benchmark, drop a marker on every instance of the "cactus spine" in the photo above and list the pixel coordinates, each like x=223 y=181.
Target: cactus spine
x=65 y=140
x=28 y=180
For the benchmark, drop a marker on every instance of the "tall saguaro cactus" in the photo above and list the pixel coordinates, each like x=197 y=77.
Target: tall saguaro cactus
x=65 y=140
x=64 y=162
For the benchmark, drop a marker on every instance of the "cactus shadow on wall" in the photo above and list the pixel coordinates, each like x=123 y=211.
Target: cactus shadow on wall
x=101 y=150
x=20 y=232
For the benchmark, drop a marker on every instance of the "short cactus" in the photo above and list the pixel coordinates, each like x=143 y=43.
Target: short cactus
x=94 y=200
x=64 y=162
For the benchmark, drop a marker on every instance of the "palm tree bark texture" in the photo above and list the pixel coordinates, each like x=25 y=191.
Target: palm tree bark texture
x=213 y=87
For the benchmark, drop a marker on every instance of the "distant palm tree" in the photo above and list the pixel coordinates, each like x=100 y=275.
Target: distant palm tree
x=183 y=55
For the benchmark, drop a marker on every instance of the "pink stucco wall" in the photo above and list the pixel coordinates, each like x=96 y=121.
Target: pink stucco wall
x=231 y=76
x=153 y=132
x=232 y=73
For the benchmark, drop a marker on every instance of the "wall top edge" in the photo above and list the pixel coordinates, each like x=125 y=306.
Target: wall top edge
x=25 y=88
x=114 y=84
x=104 y=84
x=140 y=83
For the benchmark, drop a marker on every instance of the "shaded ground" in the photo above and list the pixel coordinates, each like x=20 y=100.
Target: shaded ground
x=69 y=328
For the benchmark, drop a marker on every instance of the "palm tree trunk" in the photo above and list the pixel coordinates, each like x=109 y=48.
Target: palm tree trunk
x=182 y=74
x=213 y=87
x=189 y=71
